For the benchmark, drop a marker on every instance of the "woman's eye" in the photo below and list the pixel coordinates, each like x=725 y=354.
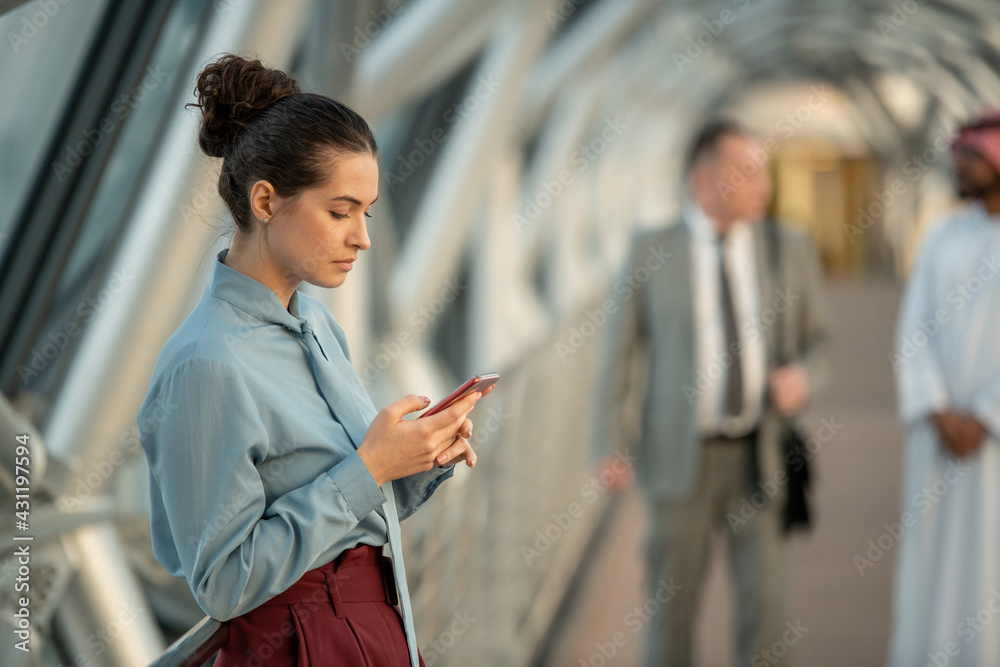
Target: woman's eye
x=340 y=216
x=367 y=214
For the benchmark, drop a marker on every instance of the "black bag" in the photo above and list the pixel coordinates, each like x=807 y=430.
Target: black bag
x=796 y=513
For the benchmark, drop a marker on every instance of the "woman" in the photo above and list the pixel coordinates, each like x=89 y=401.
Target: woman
x=274 y=482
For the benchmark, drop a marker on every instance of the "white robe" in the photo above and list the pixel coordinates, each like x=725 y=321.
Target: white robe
x=947 y=591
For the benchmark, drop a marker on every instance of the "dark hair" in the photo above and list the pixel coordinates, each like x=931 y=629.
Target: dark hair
x=707 y=140
x=264 y=128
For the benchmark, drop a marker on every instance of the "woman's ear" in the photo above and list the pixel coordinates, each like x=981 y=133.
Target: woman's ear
x=262 y=200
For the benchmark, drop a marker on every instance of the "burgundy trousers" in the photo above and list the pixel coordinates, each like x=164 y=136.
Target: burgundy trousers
x=342 y=614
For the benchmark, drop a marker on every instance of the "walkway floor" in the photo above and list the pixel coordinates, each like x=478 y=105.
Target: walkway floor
x=847 y=615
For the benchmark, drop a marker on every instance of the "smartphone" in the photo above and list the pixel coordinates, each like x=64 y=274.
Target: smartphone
x=475 y=383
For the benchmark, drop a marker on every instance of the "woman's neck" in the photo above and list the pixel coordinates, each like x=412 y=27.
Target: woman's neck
x=250 y=260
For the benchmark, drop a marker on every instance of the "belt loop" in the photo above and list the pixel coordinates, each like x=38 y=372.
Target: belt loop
x=388 y=581
x=334 y=590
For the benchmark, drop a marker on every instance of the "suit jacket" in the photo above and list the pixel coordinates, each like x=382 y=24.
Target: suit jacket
x=652 y=330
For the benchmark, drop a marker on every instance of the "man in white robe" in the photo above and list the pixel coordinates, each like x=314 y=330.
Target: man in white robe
x=947 y=363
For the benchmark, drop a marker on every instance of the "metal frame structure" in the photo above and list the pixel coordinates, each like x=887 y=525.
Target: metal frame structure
x=562 y=125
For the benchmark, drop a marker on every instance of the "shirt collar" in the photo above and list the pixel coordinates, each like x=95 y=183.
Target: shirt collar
x=702 y=227
x=253 y=297
x=981 y=212
x=698 y=222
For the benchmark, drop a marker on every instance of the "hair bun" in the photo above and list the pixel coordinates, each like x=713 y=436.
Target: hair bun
x=231 y=91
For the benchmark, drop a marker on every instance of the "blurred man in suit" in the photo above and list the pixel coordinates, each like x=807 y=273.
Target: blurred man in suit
x=709 y=456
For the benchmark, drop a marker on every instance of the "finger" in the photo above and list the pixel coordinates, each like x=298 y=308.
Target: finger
x=465 y=430
x=457 y=448
x=406 y=405
x=448 y=421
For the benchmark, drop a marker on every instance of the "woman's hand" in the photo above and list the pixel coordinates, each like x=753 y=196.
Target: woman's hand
x=394 y=447
x=461 y=450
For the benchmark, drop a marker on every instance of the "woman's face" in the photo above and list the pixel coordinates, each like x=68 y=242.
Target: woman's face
x=316 y=236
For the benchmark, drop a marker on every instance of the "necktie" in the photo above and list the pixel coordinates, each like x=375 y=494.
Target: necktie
x=734 y=384
x=351 y=406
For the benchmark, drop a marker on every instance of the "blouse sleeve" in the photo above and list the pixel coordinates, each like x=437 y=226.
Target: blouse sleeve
x=413 y=491
x=203 y=443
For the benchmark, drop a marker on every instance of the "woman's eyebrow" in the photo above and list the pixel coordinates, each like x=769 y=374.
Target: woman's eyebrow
x=353 y=200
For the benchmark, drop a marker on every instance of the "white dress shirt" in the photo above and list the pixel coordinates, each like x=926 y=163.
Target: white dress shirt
x=711 y=358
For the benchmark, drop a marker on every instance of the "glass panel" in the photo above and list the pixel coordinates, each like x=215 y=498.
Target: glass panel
x=39 y=63
x=84 y=289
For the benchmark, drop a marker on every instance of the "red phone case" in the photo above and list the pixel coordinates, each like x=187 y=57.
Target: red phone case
x=475 y=383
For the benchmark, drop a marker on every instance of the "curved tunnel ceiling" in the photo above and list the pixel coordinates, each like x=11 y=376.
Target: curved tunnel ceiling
x=911 y=71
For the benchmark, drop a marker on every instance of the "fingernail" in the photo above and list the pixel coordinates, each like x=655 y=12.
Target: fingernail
x=425 y=399
x=442 y=458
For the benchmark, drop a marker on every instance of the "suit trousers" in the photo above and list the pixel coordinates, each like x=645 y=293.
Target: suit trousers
x=341 y=613
x=678 y=546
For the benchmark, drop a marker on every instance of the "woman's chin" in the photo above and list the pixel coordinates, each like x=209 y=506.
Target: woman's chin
x=328 y=281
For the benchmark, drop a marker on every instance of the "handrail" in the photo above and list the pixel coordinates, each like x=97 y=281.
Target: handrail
x=196 y=645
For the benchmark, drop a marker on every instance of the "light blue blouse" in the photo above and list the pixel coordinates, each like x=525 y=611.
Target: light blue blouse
x=251 y=426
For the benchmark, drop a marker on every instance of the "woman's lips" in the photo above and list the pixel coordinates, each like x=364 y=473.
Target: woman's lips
x=345 y=265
